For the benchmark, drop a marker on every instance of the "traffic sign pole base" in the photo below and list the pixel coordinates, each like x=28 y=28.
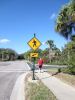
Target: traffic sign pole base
x=33 y=76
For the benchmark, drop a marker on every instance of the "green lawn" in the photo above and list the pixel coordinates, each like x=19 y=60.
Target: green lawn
x=53 y=69
x=38 y=92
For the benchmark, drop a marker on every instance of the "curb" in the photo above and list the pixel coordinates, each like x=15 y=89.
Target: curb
x=18 y=92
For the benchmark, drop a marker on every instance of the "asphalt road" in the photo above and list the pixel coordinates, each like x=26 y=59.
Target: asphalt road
x=9 y=72
x=46 y=67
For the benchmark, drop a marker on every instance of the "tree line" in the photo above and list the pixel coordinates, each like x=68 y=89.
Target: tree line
x=9 y=55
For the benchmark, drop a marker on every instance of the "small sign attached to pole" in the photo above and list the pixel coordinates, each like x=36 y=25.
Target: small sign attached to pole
x=34 y=55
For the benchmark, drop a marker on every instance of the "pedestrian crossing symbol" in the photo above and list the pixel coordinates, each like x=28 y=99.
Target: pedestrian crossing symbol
x=34 y=43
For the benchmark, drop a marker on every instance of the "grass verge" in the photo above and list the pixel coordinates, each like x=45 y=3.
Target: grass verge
x=37 y=91
x=69 y=79
x=52 y=71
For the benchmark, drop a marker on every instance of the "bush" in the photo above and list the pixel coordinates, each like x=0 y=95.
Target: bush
x=59 y=70
x=69 y=70
x=71 y=63
x=72 y=69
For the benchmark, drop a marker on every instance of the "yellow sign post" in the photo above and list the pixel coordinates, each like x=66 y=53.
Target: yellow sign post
x=34 y=55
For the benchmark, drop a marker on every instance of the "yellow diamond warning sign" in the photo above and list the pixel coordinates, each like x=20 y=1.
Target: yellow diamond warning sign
x=33 y=54
x=34 y=43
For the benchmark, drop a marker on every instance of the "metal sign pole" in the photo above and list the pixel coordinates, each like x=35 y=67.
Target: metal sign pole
x=34 y=34
x=33 y=78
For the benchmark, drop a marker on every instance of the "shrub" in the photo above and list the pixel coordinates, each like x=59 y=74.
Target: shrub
x=69 y=70
x=59 y=70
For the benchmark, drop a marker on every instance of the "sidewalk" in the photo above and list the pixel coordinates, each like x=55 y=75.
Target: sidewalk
x=60 y=89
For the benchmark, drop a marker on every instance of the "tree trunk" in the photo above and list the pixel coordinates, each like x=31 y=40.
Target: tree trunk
x=50 y=50
x=2 y=56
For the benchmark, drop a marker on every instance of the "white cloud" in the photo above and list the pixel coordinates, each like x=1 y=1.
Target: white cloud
x=2 y=41
x=53 y=16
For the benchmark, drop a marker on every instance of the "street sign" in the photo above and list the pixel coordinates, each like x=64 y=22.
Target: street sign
x=34 y=55
x=34 y=43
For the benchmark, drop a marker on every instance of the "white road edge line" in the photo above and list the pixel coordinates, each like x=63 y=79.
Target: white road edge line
x=18 y=92
x=12 y=71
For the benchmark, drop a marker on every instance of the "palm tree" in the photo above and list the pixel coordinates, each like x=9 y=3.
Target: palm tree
x=65 y=22
x=50 y=43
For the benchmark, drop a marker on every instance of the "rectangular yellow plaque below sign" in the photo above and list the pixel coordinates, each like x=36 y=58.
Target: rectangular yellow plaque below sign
x=33 y=54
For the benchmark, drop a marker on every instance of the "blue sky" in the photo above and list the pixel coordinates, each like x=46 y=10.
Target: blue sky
x=20 y=19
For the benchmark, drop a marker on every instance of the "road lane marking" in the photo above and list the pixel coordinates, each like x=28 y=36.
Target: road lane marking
x=14 y=71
